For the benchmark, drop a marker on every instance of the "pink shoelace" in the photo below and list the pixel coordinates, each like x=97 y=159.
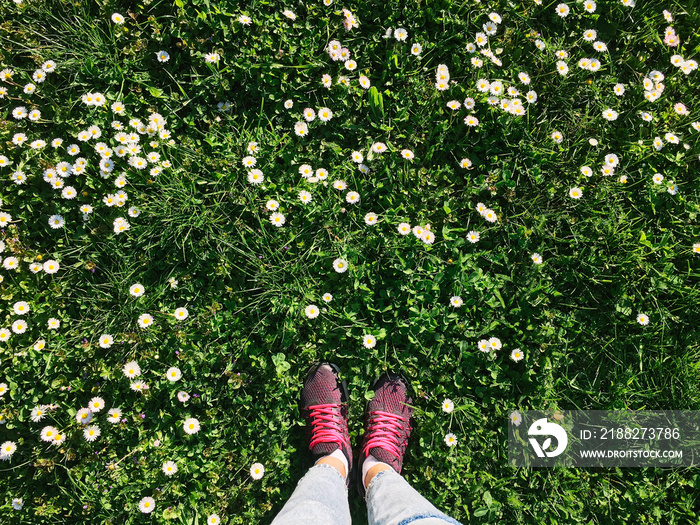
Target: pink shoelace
x=327 y=426
x=386 y=432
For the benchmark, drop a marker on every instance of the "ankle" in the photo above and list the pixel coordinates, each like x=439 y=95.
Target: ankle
x=335 y=463
x=373 y=471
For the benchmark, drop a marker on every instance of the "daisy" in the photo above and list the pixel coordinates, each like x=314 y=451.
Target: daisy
x=56 y=221
x=368 y=341
x=17 y=503
x=357 y=157
x=610 y=114
x=352 y=197
x=448 y=406
x=145 y=320
x=371 y=218
x=327 y=297
x=212 y=58
x=257 y=470
x=400 y=34
x=404 y=228
x=136 y=290
x=612 y=160
x=562 y=67
x=473 y=237
x=19 y=326
x=696 y=248
x=7 y=449
x=301 y=129
x=3 y=389
x=416 y=49
x=289 y=14
x=340 y=265
x=147 y=505
x=575 y=193
x=173 y=374
x=327 y=81
x=131 y=369
x=305 y=197
x=312 y=311
x=456 y=301
x=325 y=114
x=48 y=434
x=38 y=413
x=417 y=232
x=181 y=313
x=19 y=138
x=117 y=18
x=277 y=219
x=272 y=205
x=450 y=440
x=517 y=355
x=309 y=115
x=96 y=404
x=256 y=177
x=587 y=171
x=428 y=237
x=169 y=468
x=182 y=396
x=54 y=323
x=536 y=258
x=364 y=82
x=58 y=438
x=658 y=178
x=643 y=319
x=490 y=215
x=516 y=418
x=378 y=147
x=471 y=121
x=191 y=426
x=465 y=163
x=91 y=433
x=162 y=56
x=288 y=104
x=557 y=137
x=20 y=308
x=83 y=416
x=138 y=386
x=114 y=415
x=495 y=343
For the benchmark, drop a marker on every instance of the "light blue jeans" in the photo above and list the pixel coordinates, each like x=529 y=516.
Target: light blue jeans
x=321 y=498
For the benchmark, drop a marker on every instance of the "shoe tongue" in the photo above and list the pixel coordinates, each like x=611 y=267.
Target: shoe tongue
x=323 y=449
x=385 y=456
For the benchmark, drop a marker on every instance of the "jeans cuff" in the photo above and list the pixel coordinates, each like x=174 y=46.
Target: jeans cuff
x=374 y=480
x=335 y=470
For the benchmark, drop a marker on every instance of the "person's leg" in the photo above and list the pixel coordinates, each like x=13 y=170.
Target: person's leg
x=390 y=499
x=321 y=496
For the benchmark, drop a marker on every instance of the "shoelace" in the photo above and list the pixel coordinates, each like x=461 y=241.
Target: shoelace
x=385 y=431
x=326 y=425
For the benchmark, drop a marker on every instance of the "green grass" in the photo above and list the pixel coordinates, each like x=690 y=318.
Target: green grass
x=620 y=250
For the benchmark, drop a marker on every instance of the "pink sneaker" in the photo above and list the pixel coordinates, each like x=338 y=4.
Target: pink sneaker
x=324 y=407
x=388 y=424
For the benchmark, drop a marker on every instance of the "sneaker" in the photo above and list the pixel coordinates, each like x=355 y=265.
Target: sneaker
x=388 y=424
x=323 y=406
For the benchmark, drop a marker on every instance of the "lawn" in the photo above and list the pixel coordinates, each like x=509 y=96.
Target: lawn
x=200 y=199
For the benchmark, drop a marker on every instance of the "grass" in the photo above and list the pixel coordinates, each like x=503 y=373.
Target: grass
x=204 y=241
